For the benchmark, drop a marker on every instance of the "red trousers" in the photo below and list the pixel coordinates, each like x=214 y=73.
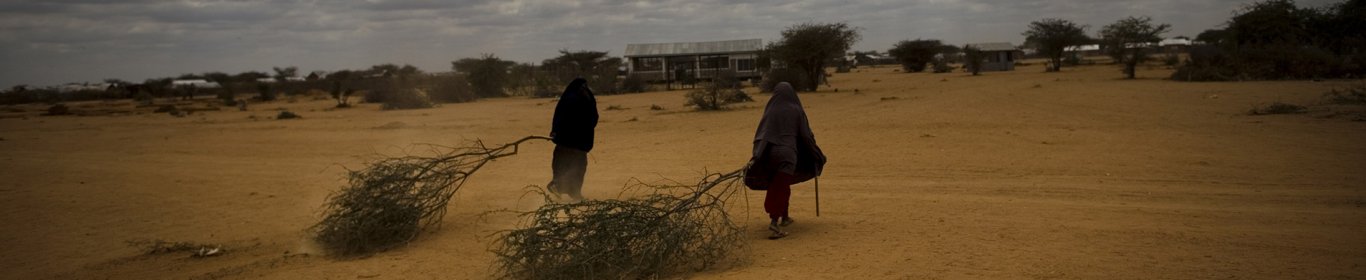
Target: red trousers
x=779 y=192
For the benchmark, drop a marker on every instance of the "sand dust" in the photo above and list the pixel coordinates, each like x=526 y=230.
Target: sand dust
x=1009 y=175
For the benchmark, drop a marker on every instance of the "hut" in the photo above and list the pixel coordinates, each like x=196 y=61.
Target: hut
x=999 y=56
x=693 y=60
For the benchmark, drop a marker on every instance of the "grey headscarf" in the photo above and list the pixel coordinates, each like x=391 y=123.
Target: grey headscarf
x=784 y=119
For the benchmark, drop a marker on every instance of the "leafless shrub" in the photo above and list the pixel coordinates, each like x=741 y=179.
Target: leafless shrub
x=673 y=229
x=386 y=204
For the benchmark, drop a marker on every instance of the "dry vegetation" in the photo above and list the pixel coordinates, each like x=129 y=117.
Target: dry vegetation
x=677 y=228
x=390 y=201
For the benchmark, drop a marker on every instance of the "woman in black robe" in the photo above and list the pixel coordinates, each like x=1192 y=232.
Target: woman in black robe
x=785 y=153
x=576 y=115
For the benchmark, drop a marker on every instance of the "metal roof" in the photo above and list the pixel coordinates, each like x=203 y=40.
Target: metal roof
x=1175 y=42
x=994 y=47
x=660 y=49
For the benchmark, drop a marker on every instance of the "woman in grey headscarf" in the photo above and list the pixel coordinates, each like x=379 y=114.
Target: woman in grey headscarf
x=785 y=153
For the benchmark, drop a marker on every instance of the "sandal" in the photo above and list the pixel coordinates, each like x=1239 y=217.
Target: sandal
x=786 y=221
x=777 y=233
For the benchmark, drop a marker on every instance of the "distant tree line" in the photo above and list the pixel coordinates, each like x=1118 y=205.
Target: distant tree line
x=1277 y=39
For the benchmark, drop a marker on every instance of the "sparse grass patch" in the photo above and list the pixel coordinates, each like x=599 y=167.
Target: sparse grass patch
x=58 y=110
x=160 y=247
x=1353 y=95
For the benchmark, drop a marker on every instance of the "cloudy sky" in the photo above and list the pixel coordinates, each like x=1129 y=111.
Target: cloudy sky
x=57 y=41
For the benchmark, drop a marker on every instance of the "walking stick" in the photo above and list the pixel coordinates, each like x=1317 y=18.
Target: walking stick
x=818 y=196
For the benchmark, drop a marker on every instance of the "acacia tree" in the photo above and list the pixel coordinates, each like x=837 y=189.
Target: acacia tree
x=599 y=68
x=488 y=75
x=1054 y=36
x=809 y=46
x=285 y=73
x=1130 y=37
x=913 y=55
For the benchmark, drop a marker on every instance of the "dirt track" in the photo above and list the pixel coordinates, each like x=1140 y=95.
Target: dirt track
x=1016 y=175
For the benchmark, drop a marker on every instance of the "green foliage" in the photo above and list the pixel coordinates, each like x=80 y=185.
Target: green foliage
x=914 y=55
x=1213 y=37
x=1275 y=39
x=1129 y=37
x=487 y=75
x=1053 y=36
x=807 y=47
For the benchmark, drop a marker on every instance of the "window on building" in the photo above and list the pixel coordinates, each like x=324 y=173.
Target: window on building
x=648 y=64
x=714 y=62
x=744 y=64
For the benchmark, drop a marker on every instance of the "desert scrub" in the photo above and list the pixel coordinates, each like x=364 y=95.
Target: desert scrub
x=387 y=204
x=1276 y=108
x=673 y=229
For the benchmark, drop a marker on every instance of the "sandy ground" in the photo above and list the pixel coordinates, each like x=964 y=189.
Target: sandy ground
x=1009 y=175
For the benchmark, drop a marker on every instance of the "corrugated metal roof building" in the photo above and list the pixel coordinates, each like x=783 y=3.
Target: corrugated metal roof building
x=999 y=56
x=700 y=60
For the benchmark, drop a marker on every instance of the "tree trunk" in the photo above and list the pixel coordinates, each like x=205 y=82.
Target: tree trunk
x=1131 y=65
x=813 y=78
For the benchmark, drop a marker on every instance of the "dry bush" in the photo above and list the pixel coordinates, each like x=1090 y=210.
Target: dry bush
x=285 y=115
x=634 y=84
x=674 y=229
x=58 y=110
x=389 y=202
x=1277 y=108
x=723 y=89
x=405 y=99
x=1353 y=95
x=159 y=247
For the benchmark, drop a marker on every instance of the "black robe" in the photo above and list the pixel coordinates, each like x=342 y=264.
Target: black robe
x=784 y=124
x=576 y=115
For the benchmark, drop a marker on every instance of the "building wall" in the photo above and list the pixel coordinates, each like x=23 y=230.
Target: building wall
x=1000 y=61
x=663 y=68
